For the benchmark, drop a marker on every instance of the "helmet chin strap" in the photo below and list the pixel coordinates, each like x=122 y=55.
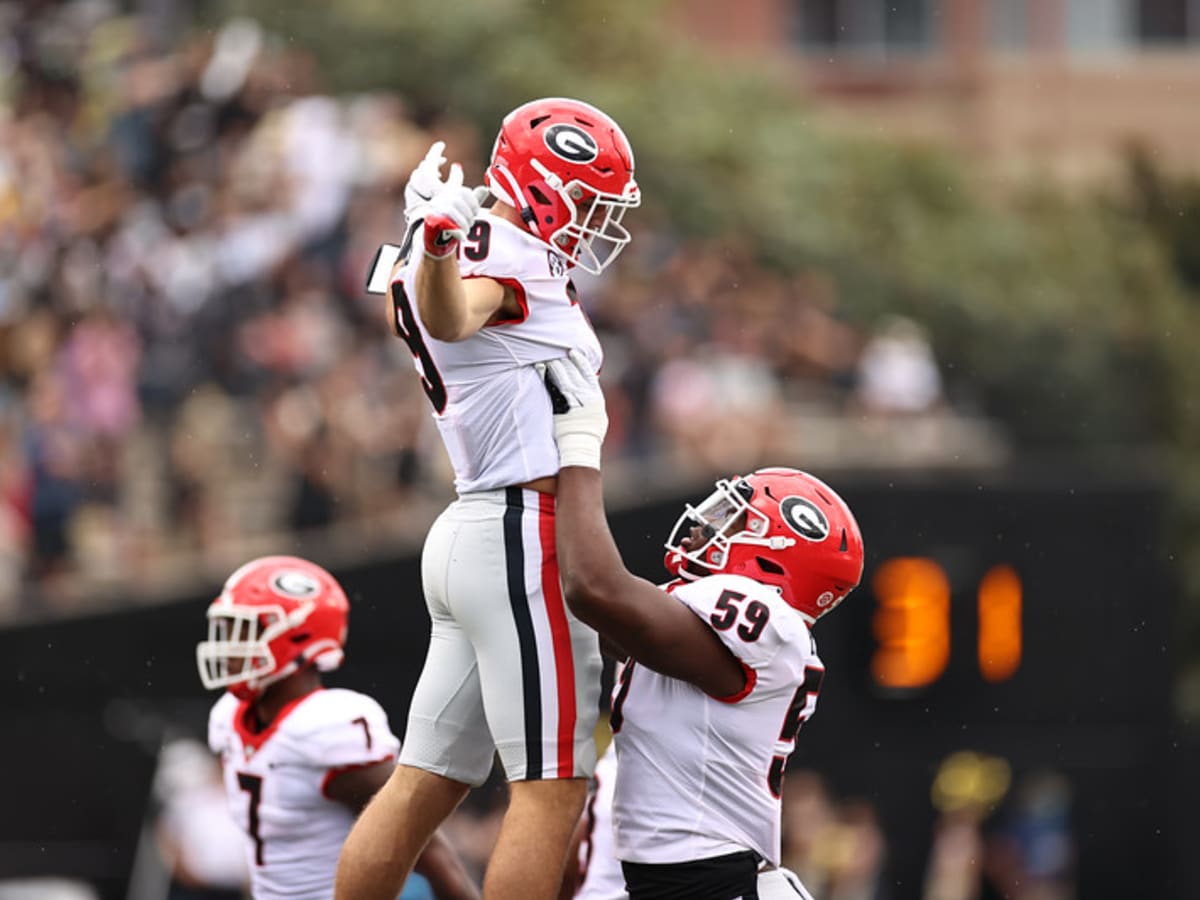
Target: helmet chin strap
x=260 y=685
x=528 y=216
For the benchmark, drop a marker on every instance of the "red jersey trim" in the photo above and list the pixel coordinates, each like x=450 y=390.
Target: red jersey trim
x=255 y=739
x=335 y=771
x=751 y=681
x=522 y=300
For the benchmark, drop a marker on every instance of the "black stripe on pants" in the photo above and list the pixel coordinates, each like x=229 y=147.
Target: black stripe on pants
x=531 y=682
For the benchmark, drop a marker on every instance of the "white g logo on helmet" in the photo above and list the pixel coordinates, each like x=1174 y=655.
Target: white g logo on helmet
x=805 y=518
x=571 y=143
x=294 y=584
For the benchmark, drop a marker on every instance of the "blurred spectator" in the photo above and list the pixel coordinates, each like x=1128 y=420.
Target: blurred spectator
x=897 y=374
x=1031 y=854
x=54 y=447
x=808 y=816
x=965 y=790
x=14 y=509
x=836 y=848
x=858 y=854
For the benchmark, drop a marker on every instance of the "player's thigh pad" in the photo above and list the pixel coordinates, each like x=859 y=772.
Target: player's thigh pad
x=539 y=666
x=447 y=731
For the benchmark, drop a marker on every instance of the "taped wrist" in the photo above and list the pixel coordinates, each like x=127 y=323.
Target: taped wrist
x=580 y=435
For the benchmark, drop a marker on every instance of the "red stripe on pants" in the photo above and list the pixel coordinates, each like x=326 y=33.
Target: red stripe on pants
x=564 y=661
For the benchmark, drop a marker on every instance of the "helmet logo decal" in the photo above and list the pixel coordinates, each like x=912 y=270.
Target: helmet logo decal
x=825 y=599
x=571 y=143
x=804 y=518
x=294 y=584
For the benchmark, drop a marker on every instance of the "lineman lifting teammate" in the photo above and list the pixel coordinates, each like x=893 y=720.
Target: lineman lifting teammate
x=722 y=670
x=479 y=301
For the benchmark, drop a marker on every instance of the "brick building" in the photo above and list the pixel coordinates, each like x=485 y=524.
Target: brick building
x=1028 y=85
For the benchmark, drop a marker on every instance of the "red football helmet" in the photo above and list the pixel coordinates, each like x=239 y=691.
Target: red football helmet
x=275 y=615
x=782 y=527
x=568 y=169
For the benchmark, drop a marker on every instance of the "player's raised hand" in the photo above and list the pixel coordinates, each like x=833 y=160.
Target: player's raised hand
x=449 y=213
x=424 y=182
x=580 y=416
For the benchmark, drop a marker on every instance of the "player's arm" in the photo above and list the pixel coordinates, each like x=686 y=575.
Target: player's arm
x=647 y=623
x=653 y=628
x=439 y=862
x=451 y=307
x=354 y=787
x=441 y=866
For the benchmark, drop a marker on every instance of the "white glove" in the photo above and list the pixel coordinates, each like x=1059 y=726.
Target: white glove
x=424 y=181
x=450 y=213
x=580 y=418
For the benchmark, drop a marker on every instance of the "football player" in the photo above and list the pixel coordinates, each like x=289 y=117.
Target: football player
x=722 y=669
x=479 y=298
x=300 y=761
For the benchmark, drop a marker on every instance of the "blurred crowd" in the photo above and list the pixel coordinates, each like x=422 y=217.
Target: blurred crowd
x=190 y=368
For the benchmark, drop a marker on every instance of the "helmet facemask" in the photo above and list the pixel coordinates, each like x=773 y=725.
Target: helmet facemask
x=725 y=518
x=238 y=649
x=593 y=236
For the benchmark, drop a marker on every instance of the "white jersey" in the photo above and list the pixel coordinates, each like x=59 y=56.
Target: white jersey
x=701 y=777
x=275 y=781
x=490 y=406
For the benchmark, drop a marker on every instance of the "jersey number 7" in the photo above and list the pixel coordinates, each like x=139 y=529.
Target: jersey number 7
x=252 y=785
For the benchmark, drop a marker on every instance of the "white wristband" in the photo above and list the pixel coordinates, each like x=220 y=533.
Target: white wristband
x=579 y=434
x=579 y=450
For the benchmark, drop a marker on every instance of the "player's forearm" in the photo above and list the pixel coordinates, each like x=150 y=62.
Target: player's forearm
x=590 y=565
x=442 y=299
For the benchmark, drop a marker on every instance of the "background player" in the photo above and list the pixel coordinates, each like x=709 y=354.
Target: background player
x=509 y=669
x=299 y=760
x=723 y=669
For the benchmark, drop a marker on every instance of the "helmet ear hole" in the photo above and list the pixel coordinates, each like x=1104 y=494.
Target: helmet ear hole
x=539 y=196
x=770 y=566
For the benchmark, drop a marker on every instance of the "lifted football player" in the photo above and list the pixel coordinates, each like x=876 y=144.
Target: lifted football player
x=481 y=299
